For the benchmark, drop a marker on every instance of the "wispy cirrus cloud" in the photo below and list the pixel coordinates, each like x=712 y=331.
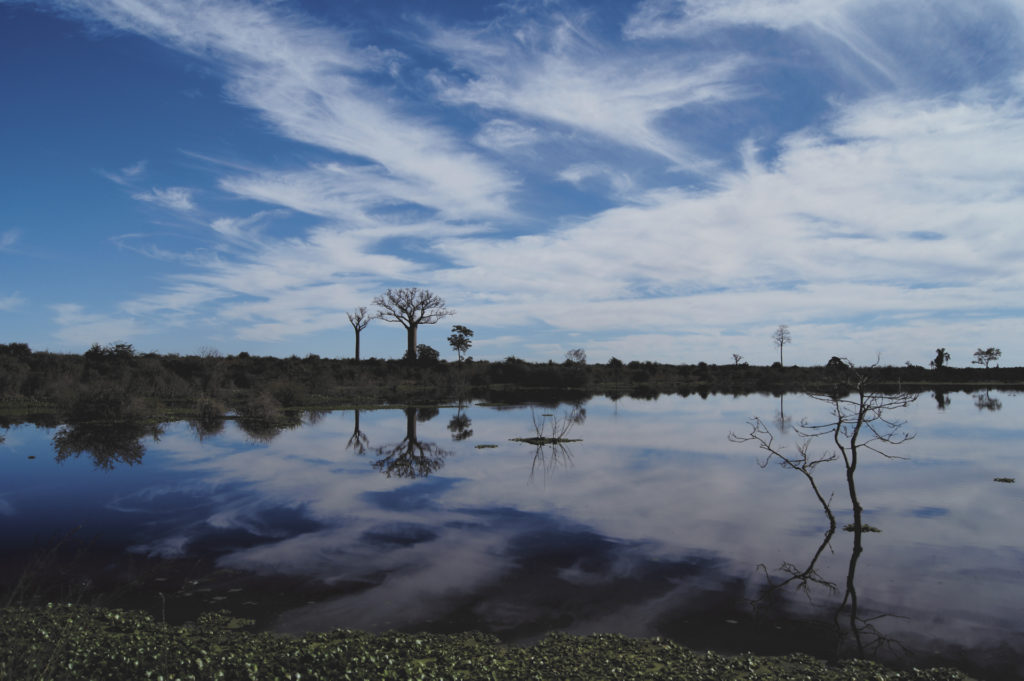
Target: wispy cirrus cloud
x=866 y=41
x=10 y=302
x=309 y=82
x=831 y=230
x=176 y=198
x=555 y=72
x=128 y=174
x=78 y=327
x=8 y=238
x=849 y=179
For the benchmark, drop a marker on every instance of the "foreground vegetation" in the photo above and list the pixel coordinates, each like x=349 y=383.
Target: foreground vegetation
x=116 y=383
x=61 y=642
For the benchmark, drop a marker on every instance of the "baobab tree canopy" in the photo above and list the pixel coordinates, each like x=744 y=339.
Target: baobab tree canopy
x=411 y=307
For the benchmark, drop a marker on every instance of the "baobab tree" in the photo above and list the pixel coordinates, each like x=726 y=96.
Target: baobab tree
x=781 y=337
x=411 y=307
x=359 y=320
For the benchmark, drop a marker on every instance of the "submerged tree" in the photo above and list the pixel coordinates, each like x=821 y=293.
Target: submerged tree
x=861 y=421
x=359 y=321
x=986 y=357
x=411 y=307
x=781 y=337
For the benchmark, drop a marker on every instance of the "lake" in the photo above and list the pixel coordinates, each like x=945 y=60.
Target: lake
x=653 y=524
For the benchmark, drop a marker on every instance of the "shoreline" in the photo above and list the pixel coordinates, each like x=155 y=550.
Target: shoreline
x=73 y=641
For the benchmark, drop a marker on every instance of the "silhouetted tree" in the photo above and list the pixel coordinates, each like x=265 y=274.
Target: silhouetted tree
x=986 y=356
x=941 y=357
x=736 y=359
x=359 y=321
x=427 y=354
x=411 y=307
x=576 y=356
x=459 y=340
x=860 y=422
x=781 y=337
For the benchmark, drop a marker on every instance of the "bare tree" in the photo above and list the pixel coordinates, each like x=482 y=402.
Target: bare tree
x=781 y=337
x=359 y=320
x=986 y=357
x=411 y=307
x=861 y=421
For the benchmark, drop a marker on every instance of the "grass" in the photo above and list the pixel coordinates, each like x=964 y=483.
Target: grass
x=63 y=642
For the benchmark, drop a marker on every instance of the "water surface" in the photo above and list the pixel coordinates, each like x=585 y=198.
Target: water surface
x=653 y=524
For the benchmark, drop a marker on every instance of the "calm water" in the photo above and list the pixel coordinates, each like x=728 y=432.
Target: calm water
x=653 y=524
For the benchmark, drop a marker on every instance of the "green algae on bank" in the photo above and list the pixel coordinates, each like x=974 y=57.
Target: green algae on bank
x=61 y=642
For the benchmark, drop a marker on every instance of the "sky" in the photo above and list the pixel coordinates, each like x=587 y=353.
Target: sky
x=663 y=180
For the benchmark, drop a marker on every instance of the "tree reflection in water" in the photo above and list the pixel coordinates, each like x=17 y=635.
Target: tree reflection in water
x=412 y=457
x=550 y=439
x=358 y=442
x=107 y=443
x=107 y=425
x=460 y=425
x=861 y=421
x=985 y=402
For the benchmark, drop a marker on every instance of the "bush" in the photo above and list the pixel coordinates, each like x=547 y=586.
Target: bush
x=426 y=354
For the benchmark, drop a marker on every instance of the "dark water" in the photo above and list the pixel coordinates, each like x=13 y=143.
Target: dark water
x=653 y=524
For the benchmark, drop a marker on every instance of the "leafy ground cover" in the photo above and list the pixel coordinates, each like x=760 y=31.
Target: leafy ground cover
x=62 y=642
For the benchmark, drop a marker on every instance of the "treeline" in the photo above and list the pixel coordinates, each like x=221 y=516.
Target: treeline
x=114 y=382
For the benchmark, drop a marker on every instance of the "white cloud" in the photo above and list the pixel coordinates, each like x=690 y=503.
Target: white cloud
x=306 y=81
x=8 y=303
x=619 y=182
x=504 y=135
x=175 y=198
x=832 y=230
x=882 y=215
x=913 y=45
x=80 y=328
x=560 y=75
x=8 y=238
x=128 y=174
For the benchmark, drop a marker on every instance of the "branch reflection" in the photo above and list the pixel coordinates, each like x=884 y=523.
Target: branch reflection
x=412 y=457
x=861 y=421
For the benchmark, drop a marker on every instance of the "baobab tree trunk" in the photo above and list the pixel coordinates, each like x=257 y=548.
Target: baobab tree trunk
x=410 y=352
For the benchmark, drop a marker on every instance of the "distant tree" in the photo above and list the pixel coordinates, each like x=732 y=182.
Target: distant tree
x=781 y=337
x=118 y=350
x=576 y=356
x=941 y=357
x=986 y=356
x=209 y=352
x=459 y=340
x=359 y=321
x=411 y=307
x=736 y=359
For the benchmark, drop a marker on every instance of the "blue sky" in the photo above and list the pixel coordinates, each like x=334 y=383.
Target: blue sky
x=661 y=180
